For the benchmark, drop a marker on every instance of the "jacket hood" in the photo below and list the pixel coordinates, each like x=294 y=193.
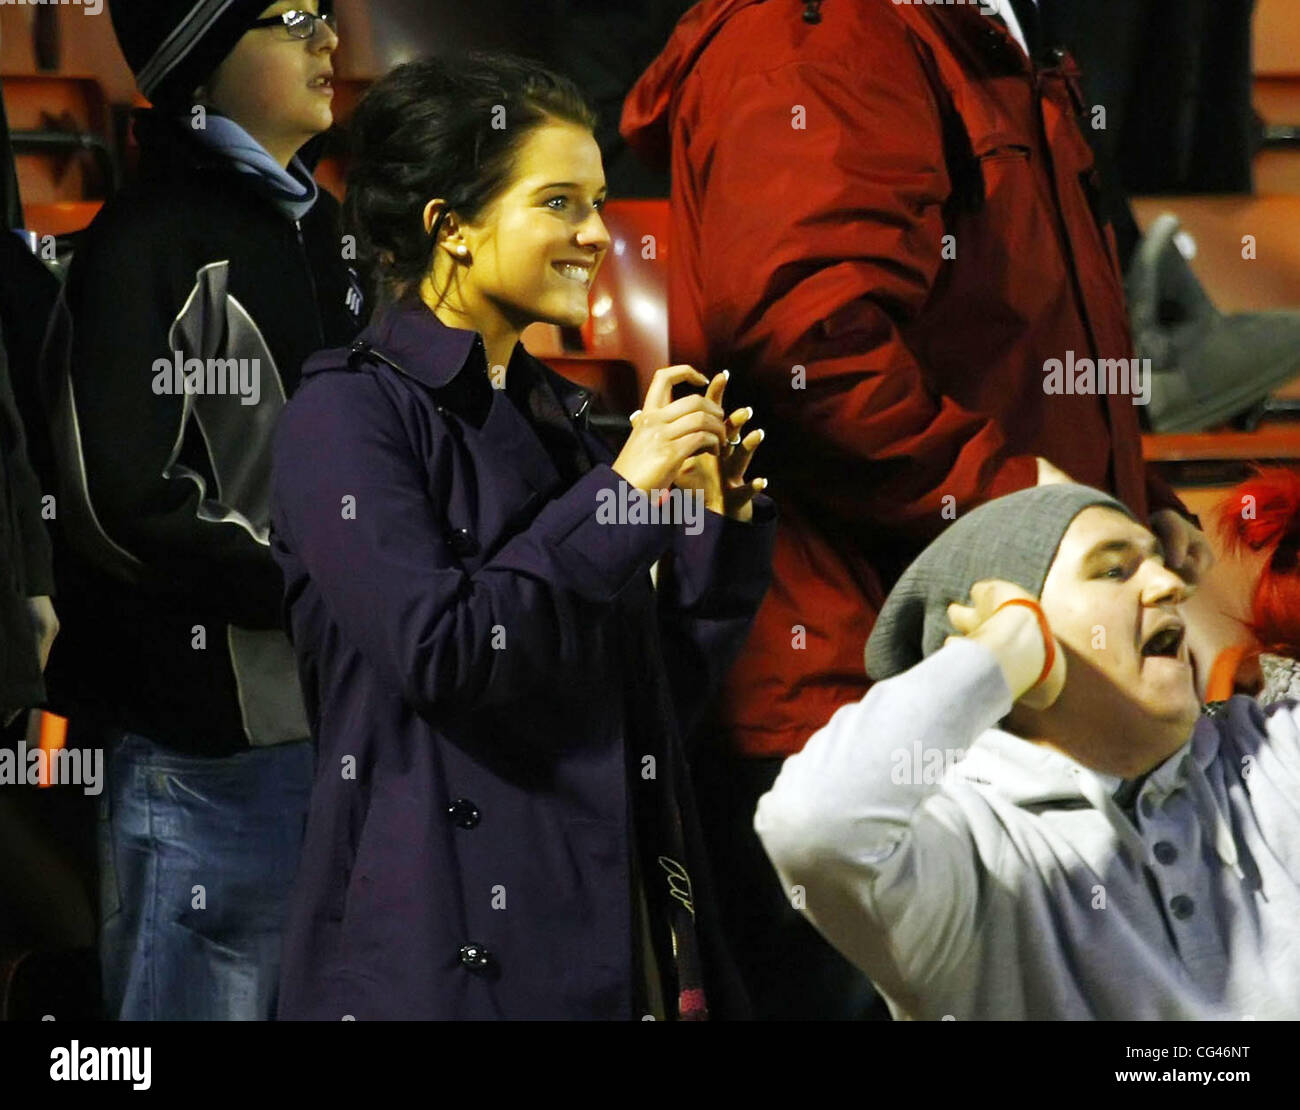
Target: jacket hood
x=647 y=112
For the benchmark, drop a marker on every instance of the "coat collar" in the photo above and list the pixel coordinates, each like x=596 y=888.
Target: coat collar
x=413 y=340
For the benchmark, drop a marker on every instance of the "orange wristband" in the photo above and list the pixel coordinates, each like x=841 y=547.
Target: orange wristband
x=1049 y=641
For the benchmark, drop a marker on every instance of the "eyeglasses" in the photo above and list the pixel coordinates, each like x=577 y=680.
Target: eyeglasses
x=299 y=24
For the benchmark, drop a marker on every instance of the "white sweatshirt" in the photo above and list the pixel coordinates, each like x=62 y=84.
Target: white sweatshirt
x=1009 y=884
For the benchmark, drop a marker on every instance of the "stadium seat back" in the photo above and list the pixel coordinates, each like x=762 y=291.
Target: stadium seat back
x=629 y=298
x=72 y=112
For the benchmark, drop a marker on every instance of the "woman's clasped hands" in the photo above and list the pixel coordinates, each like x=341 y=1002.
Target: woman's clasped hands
x=692 y=443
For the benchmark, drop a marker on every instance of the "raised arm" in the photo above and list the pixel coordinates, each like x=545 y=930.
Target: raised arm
x=882 y=860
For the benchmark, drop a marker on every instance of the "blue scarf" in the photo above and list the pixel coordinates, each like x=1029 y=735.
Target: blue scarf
x=293 y=191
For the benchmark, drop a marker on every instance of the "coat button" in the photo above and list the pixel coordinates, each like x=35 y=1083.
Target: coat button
x=464 y=813
x=462 y=542
x=1182 y=906
x=1166 y=853
x=474 y=957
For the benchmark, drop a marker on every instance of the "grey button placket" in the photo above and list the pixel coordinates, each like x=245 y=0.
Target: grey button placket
x=1179 y=842
x=1159 y=833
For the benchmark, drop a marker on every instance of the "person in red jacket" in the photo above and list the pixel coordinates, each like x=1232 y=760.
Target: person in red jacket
x=885 y=224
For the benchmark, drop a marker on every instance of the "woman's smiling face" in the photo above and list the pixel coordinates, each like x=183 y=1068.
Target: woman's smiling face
x=536 y=247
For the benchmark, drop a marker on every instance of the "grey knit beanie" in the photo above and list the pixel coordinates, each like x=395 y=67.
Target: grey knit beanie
x=1014 y=538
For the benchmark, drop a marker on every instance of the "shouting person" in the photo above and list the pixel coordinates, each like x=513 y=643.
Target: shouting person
x=1027 y=817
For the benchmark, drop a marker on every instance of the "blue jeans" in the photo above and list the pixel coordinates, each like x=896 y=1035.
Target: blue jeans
x=197 y=858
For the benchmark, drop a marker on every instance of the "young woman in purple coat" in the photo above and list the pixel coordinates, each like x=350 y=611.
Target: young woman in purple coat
x=501 y=823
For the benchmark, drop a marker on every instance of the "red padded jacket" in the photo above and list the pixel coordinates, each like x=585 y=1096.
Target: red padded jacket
x=884 y=225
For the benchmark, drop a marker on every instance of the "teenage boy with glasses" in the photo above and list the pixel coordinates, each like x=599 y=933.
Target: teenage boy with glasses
x=223 y=249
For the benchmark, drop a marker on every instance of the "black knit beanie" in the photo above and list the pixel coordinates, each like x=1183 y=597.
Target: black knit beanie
x=1013 y=538
x=172 y=46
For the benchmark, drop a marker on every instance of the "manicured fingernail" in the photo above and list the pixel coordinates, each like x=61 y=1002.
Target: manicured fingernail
x=760 y=483
x=633 y=417
x=762 y=435
x=727 y=374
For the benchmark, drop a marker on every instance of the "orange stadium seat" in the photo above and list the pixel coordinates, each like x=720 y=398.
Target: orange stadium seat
x=1277 y=95
x=61 y=135
x=1219 y=225
x=1277 y=38
x=60 y=218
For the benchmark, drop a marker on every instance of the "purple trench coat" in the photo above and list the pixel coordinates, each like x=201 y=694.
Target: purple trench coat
x=483 y=658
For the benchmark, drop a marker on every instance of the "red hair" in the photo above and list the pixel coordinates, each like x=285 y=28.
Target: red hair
x=1263 y=514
